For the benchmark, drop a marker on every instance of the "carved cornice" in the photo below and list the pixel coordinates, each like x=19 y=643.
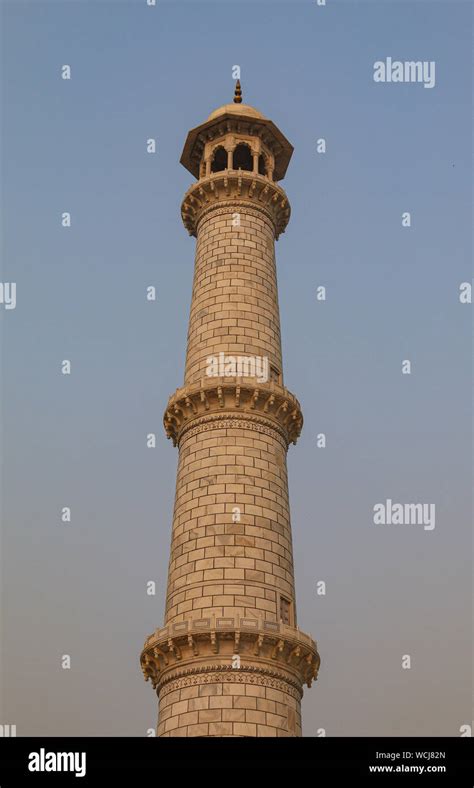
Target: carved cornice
x=268 y=403
x=206 y=645
x=234 y=189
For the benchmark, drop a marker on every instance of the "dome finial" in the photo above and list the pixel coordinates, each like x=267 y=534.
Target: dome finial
x=238 y=93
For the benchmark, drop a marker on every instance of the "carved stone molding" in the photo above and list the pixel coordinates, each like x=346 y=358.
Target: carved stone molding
x=271 y=404
x=234 y=188
x=210 y=644
x=227 y=421
x=261 y=677
x=229 y=207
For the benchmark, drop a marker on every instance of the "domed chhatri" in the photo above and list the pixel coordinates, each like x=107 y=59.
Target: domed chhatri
x=226 y=128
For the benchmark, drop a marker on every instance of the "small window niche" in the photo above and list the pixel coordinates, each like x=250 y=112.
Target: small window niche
x=286 y=613
x=275 y=374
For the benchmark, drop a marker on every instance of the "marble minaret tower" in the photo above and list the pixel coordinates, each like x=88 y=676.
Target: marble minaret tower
x=230 y=659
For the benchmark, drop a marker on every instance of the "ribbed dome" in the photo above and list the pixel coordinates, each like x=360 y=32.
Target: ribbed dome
x=237 y=109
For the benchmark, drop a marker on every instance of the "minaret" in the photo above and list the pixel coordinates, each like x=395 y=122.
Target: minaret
x=230 y=659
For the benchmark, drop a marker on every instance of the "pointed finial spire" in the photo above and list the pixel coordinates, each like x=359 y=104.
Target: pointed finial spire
x=238 y=93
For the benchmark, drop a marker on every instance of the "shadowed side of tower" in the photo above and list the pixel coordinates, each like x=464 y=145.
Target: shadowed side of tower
x=230 y=660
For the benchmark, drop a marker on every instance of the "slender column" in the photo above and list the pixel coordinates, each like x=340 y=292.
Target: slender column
x=229 y=659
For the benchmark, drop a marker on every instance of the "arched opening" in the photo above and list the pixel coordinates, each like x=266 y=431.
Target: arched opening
x=262 y=165
x=219 y=160
x=243 y=158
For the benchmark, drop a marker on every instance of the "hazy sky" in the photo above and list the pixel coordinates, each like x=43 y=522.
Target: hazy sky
x=392 y=295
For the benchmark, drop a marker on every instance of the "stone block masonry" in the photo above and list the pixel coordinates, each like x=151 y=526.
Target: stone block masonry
x=230 y=659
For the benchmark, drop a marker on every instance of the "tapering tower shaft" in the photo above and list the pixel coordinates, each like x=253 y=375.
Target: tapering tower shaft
x=234 y=307
x=230 y=660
